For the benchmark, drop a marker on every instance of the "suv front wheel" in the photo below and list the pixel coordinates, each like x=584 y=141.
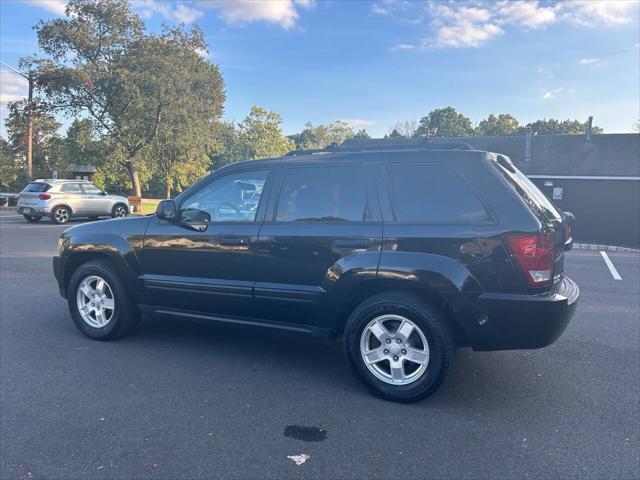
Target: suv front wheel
x=99 y=303
x=400 y=345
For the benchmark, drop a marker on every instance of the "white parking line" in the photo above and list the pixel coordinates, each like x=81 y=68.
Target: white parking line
x=612 y=268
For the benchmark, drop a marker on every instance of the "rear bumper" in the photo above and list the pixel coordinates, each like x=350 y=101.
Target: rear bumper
x=511 y=321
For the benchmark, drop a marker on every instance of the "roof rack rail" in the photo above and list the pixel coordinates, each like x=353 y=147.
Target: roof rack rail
x=400 y=143
x=368 y=144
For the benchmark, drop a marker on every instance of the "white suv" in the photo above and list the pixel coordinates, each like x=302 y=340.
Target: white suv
x=62 y=199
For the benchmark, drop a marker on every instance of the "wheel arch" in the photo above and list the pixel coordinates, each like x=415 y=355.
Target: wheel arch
x=66 y=205
x=421 y=291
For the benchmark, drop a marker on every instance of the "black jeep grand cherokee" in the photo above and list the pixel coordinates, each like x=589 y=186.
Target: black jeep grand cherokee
x=406 y=250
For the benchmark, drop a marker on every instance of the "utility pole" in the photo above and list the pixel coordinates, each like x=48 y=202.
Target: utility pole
x=29 y=78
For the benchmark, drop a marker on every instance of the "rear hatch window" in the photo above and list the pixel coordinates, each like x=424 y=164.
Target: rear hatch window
x=532 y=196
x=36 y=187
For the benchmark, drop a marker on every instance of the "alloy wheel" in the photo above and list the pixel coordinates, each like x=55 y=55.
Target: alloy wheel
x=95 y=301
x=120 y=212
x=394 y=349
x=61 y=215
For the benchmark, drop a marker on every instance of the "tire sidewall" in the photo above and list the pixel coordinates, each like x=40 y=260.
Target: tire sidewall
x=110 y=330
x=115 y=207
x=55 y=220
x=430 y=378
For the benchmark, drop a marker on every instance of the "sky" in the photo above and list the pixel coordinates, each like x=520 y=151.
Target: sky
x=374 y=63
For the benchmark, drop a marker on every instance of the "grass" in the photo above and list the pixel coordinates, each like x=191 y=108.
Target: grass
x=149 y=205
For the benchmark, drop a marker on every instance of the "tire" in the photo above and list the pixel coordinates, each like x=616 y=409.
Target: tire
x=32 y=218
x=60 y=215
x=114 y=322
x=391 y=310
x=119 y=211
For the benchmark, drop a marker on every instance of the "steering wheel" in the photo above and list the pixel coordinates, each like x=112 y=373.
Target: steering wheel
x=229 y=205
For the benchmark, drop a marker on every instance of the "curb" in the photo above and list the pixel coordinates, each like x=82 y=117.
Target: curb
x=606 y=248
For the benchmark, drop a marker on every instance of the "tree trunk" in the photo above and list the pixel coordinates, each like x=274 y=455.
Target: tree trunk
x=168 y=194
x=135 y=181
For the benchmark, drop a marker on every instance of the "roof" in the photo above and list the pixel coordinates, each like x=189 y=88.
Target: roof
x=58 y=180
x=607 y=154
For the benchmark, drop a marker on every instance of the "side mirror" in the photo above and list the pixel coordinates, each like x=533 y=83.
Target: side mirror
x=167 y=210
x=569 y=217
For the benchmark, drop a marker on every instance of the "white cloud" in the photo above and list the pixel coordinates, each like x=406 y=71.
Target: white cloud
x=525 y=13
x=239 y=12
x=598 y=12
x=403 y=46
x=551 y=94
x=472 y=23
x=12 y=87
x=178 y=12
x=54 y=6
x=357 y=122
x=588 y=61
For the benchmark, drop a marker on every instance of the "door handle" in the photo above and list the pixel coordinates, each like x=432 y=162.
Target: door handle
x=352 y=243
x=233 y=241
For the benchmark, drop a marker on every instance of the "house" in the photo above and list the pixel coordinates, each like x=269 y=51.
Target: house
x=81 y=172
x=596 y=177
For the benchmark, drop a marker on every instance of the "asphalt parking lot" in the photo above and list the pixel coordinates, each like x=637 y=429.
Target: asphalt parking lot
x=179 y=400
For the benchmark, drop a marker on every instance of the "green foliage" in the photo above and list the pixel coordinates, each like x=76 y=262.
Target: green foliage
x=12 y=177
x=394 y=134
x=45 y=134
x=362 y=133
x=102 y=64
x=444 y=122
x=320 y=136
x=557 y=127
x=260 y=135
x=503 y=124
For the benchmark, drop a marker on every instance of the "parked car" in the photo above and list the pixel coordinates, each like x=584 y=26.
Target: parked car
x=405 y=250
x=62 y=200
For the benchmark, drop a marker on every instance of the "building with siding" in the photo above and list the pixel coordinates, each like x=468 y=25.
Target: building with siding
x=596 y=177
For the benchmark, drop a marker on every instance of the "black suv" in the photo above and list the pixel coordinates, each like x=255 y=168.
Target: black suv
x=406 y=250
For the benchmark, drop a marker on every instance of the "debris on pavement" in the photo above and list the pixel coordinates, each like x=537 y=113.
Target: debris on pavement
x=299 y=459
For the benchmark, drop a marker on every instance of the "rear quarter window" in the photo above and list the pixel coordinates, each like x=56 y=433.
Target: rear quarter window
x=37 y=187
x=433 y=193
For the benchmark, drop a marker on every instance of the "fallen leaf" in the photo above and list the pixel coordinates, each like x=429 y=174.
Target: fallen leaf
x=299 y=459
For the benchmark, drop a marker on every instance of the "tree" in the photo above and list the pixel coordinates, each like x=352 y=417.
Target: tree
x=260 y=135
x=394 y=134
x=557 y=127
x=444 y=122
x=101 y=64
x=323 y=135
x=503 y=124
x=45 y=132
x=405 y=128
x=362 y=133
x=11 y=176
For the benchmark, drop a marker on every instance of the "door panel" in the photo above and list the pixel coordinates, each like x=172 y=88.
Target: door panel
x=326 y=226
x=95 y=200
x=211 y=270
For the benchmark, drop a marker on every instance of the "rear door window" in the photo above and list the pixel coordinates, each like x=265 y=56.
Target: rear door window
x=433 y=193
x=37 y=187
x=71 y=188
x=325 y=193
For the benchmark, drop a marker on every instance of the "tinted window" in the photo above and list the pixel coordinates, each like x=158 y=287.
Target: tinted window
x=37 y=187
x=335 y=193
x=433 y=194
x=71 y=188
x=532 y=196
x=232 y=198
x=90 y=188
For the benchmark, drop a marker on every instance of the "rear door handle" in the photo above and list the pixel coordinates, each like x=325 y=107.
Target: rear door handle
x=352 y=243
x=233 y=240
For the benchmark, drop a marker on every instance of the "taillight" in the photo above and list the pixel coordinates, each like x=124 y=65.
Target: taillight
x=44 y=196
x=535 y=255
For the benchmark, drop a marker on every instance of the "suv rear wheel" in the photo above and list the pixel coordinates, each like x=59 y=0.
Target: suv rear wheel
x=400 y=345
x=61 y=215
x=98 y=302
